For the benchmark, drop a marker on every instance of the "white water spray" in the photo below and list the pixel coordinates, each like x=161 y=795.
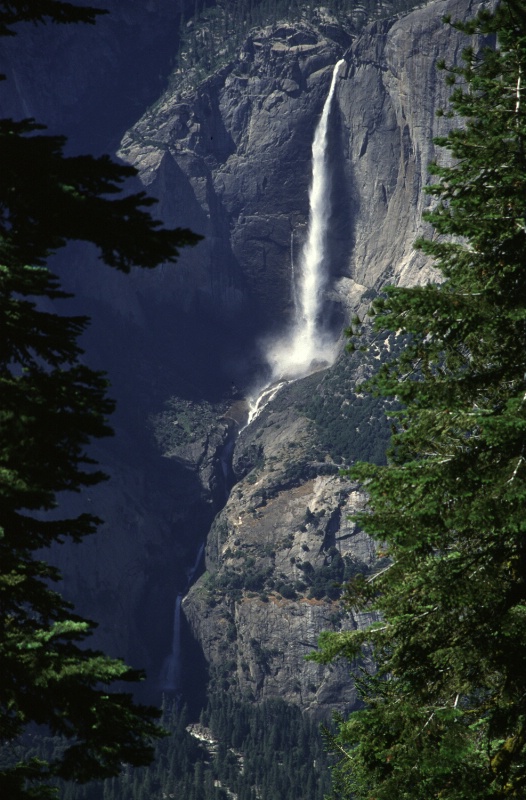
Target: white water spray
x=306 y=346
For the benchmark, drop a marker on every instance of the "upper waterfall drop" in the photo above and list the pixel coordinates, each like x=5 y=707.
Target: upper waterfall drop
x=306 y=345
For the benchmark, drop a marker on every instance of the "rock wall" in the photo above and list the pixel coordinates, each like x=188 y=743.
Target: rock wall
x=91 y=82
x=233 y=160
x=273 y=557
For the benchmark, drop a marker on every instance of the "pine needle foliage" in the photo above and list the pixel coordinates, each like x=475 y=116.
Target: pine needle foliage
x=52 y=406
x=445 y=714
x=39 y=11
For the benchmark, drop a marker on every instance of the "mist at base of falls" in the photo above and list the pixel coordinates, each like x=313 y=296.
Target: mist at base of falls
x=307 y=345
x=300 y=355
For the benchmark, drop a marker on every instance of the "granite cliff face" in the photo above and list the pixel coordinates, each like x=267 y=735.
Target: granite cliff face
x=273 y=557
x=231 y=159
x=91 y=82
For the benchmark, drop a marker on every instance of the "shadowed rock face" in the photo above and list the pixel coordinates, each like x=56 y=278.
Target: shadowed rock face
x=232 y=161
x=91 y=82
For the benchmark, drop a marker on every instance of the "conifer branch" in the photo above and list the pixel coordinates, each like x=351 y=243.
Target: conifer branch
x=517 y=466
x=381 y=572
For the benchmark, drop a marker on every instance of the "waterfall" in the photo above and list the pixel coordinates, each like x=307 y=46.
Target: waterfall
x=193 y=569
x=171 y=673
x=307 y=346
x=170 y=679
x=264 y=397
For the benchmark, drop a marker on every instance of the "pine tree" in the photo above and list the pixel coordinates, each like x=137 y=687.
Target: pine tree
x=51 y=407
x=445 y=713
x=35 y=11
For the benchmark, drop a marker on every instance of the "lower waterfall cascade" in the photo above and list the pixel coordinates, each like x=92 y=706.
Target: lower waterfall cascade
x=170 y=681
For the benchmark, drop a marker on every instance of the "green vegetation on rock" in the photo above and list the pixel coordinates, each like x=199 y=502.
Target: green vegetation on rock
x=351 y=425
x=213 y=36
